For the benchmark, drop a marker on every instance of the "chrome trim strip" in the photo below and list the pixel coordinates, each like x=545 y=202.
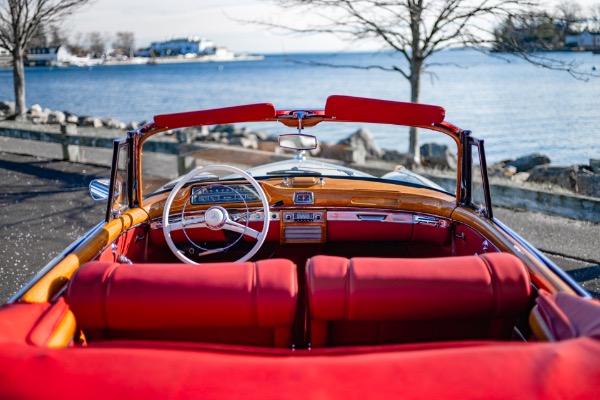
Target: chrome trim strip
x=54 y=261
x=545 y=260
x=381 y=216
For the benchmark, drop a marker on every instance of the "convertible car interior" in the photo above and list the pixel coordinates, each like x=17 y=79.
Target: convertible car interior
x=299 y=279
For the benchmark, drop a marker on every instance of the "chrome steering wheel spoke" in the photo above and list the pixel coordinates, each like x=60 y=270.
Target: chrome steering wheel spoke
x=215 y=217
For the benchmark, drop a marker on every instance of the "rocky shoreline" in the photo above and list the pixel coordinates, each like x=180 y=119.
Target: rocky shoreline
x=359 y=148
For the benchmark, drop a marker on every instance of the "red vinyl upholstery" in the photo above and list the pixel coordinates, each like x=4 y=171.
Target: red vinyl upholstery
x=367 y=301
x=237 y=303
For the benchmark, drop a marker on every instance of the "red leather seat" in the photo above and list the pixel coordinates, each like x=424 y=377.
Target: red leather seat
x=368 y=301
x=237 y=303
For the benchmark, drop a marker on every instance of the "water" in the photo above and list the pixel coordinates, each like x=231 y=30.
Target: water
x=516 y=107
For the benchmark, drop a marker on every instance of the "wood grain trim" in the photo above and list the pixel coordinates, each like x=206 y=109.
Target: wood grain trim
x=64 y=332
x=541 y=276
x=539 y=329
x=334 y=193
x=45 y=289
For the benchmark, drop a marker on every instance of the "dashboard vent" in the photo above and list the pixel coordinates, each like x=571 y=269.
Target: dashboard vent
x=299 y=233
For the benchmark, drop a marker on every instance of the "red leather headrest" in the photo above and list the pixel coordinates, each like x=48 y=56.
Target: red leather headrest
x=162 y=296
x=379 y=289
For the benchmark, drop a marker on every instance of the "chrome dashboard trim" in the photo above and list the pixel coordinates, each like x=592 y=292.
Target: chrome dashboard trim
x=381 y=216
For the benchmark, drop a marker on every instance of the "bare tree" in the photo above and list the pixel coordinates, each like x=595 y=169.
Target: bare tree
x=19 y=20
x=125 y=43
x=594 y=20
x=415 y=29
x=97 y=43
x=568 y=13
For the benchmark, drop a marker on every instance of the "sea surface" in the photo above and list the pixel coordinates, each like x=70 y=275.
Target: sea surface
x=516 y=107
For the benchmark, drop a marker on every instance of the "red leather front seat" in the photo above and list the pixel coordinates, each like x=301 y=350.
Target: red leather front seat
x=251 y=303
x=369 y=301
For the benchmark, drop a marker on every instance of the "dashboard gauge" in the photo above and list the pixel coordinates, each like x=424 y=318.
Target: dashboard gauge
x=219 y=194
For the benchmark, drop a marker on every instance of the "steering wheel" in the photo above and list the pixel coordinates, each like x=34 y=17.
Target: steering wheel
x=215 y=217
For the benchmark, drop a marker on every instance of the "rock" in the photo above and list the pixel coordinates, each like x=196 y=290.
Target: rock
x=35 y=110
x=112 y=123
x=56 y=117
x=71 y=118
x=224 y=128
x=263 y=136
x=8 y=107
x=528 y=162
x=90 y=121
x=132 y=126
x=520 y=176
x=435 y=155
x=500 y=170
x=564 y=177
x=337 y=152
x=396 y=157
x=363 y=146
x=595 y=165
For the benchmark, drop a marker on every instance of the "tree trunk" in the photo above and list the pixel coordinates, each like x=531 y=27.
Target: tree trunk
x=19 y=82
x=415 y=87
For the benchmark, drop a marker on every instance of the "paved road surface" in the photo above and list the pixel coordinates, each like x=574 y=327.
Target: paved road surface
x=45 y=206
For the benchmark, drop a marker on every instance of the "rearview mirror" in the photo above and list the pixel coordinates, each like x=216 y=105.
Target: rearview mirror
x=296 y=141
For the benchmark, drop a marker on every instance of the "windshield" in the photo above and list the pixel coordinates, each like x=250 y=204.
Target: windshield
x=344 y=150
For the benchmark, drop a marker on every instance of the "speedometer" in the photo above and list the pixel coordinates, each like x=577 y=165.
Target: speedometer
x=218 y=194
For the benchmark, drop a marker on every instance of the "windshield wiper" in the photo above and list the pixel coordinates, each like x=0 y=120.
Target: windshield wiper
x=294 y=171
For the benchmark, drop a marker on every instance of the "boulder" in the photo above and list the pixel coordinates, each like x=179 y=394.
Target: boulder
x=112 y=123
x=7 y=107
x=71 y=118
x=337 y=152
x=91 y=121
x=36 y=110
x=526 y=163
x=224 y=128
x=501 y=170
x=363 y=146
x=56 y=117
x=435 y=155
x=564 y=177
x=132 y=126
x=398 y=158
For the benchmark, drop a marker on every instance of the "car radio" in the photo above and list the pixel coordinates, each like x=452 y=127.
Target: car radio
x=303 y=216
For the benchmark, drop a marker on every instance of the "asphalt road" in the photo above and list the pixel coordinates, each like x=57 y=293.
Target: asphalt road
x=45 y=206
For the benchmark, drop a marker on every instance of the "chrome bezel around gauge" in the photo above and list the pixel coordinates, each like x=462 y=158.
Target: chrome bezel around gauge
x=304 y=198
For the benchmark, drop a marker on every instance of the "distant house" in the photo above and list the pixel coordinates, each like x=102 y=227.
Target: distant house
x=182 y=46
x=586 y=40
x=49 y=55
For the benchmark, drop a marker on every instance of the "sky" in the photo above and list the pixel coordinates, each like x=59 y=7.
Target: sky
x=219 y=20
x=216 y=20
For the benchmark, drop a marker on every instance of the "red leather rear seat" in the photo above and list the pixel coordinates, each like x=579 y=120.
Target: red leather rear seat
x=368 y=301
x=236 y=303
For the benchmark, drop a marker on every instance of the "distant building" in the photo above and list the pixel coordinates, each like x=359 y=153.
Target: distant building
x=49 y=55
x=182 y=46
x=586 y=40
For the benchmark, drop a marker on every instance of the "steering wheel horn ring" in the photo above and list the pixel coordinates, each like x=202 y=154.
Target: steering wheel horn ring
x=215 y=217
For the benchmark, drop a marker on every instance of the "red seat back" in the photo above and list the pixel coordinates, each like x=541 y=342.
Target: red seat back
x=237 y=303
x=368 y=301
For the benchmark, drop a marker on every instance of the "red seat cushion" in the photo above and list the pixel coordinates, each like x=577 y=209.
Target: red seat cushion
x=376 y=300
x=239 y=303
